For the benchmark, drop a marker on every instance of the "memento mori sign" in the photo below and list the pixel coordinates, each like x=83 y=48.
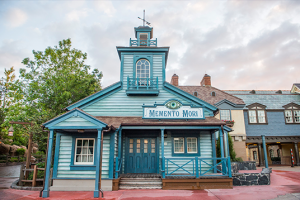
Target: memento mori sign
x=173 y=109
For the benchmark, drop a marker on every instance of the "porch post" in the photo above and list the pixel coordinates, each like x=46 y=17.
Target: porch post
x=265 y=151
x=213 y=141
x=120 y=143
x=260 y=155
x=162 y=153
x=227 y=146
x=49 y=155
x=221 y=143
x=97 y=161
x=297 y=153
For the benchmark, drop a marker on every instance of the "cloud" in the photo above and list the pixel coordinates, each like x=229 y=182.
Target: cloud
x=15 y=17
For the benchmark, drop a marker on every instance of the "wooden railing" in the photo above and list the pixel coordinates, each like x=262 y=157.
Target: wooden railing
x=139 y=42
x=142 y=83
x=34 y=178
x=195 y=166
x=118 y=167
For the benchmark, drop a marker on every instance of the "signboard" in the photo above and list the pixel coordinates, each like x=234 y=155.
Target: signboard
x=173 y=109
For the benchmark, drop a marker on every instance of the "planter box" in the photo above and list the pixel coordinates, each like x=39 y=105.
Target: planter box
x=115 y=186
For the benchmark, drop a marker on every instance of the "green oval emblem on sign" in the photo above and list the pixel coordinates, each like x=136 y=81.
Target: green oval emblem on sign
x=173 y=104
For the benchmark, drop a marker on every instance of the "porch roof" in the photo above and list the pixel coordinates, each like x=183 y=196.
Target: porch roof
x=138 y=121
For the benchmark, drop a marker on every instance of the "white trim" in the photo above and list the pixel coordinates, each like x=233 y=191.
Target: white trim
x=75 y=153
x=177 y=138
x=196 y=145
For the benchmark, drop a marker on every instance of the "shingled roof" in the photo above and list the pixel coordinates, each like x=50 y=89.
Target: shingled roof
x=204 y=93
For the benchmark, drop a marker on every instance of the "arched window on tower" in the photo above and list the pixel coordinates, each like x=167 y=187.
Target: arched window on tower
x=143 y=68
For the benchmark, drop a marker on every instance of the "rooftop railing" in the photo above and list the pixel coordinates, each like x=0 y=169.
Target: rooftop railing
x=147 y=43
x=142 y=83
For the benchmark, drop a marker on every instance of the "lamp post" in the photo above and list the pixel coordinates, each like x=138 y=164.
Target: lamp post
x=11 y=131
x=29 y=143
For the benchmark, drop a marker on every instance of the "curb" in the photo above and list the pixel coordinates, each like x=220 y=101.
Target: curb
x=15 y=186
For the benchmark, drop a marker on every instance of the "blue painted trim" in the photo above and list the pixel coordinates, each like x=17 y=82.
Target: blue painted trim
x=94 y=96
x=191 y=97
x=122 y=69
x=56 y=156
x=81 y=178
x=73 y=127
x=157 y=154
x=226 y=128
x=163 y=70
x=213 y=142
x=120 y=143
x=142 y=92
x=265 y=150
x=173 y=127
x=111 y=155
x=162 y=153
x=82 y=167
x=75 y=112
x=96 y=191
x=48 y=166
x=102 y=97
x=148 y=30
x=185 y=154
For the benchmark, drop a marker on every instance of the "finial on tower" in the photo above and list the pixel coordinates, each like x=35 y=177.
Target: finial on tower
x=144 y=20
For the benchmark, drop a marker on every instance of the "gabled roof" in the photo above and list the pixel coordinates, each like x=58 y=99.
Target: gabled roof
x=104 y=92
x=178 y=91
x=204 y=93
x=296 y=88
x=88 y=120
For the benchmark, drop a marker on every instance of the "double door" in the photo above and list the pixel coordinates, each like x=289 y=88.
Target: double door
x=141 y=155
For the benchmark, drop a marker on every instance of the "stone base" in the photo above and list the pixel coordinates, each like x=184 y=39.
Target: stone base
x=79 y=185
x=251 y=179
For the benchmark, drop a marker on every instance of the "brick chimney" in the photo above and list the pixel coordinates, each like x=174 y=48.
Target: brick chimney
x=206 y=81
x=174 y=80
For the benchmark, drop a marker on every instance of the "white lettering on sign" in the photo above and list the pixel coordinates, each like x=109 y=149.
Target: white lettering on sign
x=162 y=112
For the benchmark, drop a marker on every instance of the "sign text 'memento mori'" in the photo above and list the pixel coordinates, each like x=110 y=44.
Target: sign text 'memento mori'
x=184 y=112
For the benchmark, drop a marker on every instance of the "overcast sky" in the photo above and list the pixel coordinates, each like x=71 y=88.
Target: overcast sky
x=240 y=44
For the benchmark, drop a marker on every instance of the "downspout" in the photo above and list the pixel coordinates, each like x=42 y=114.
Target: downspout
x=101 y=150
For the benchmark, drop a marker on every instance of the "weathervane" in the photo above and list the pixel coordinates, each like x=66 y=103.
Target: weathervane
x=144 y=20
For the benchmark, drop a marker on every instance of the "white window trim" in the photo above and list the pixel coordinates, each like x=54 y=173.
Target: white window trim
x=136 y=68
x=196 y=145
x=84 y=163
x=182 y=146
x=228 y=113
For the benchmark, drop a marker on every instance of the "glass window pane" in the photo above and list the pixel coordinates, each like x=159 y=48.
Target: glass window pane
x=85 y=143
x=79 y=142
x=90 y=158
x=178 y=145
x=131 y=141
x=78 y=150
x=225 y=114
x=84 y=150
x=261 y=116
x=130 y=150
x=90 y=150
x=91 y=143
x=145 y=147
x=84 y=159
x=252 y=116
x=288 y=116
x=192 y=145
x=78 y=158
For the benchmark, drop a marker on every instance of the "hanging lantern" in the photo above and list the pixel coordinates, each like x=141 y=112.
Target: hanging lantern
x=11 y=131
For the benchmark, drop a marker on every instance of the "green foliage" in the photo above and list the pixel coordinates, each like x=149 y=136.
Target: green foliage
x=13 y=159
x=20 y=152
x=40 y=173
x=232 y=153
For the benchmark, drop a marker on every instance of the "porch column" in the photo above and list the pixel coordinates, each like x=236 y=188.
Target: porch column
x=49 y=155
x=162 y=152
x=221 y=143
x=260 y=155
x=97 y=161
x=120 y=143
x=213 y=142
x=265 y=151
x=297 y=153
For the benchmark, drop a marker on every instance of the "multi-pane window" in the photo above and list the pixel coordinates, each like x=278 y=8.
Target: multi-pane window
x=292 y=115
x=187 y=145
x=191 y=145
x=257 y=114
x=152 y=145
x=143 y=68
x=84 y=153
x=225 y=115
x=178 y=145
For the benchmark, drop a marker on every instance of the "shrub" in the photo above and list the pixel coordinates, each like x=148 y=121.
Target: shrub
x=40 y=173
x=13 y=159
x=239 y=159
x=20 y=152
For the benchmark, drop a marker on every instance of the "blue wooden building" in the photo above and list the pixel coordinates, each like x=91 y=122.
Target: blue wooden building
x=140 y=127
x=272 y=117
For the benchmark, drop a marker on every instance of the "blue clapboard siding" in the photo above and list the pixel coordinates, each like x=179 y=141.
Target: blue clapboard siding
x=64 y=160
x=276 y=126
x=127 y=69
x=157 y=69
x=78 y=121
x=205 y=152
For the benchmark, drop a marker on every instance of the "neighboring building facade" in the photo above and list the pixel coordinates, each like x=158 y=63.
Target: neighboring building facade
x=147 y=126
x=230 y=109
x=276 y=115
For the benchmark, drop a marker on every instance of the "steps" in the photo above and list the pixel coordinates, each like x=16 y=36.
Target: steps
x=140 y=183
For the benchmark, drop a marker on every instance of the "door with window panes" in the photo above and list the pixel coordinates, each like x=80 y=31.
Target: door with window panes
x=141 y=155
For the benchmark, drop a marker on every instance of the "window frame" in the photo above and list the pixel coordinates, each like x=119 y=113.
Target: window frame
x=253 y=107
x=75 y=152
x=136 y=68
x=291 y=107
x=185 y=150
x=229 y=110
x=140 y=56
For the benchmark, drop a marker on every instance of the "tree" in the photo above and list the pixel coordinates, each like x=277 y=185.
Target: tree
x=53 y=80
x=231 y=150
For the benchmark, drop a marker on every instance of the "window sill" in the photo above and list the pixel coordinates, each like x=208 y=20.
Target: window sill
x=292 y=123
x=185 y=154
x=258 y=123
x=83 y=167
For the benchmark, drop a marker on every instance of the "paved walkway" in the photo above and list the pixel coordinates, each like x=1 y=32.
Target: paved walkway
x=285 y=184
x=8 y=175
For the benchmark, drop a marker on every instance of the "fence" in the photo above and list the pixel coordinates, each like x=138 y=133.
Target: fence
x=196 y=166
